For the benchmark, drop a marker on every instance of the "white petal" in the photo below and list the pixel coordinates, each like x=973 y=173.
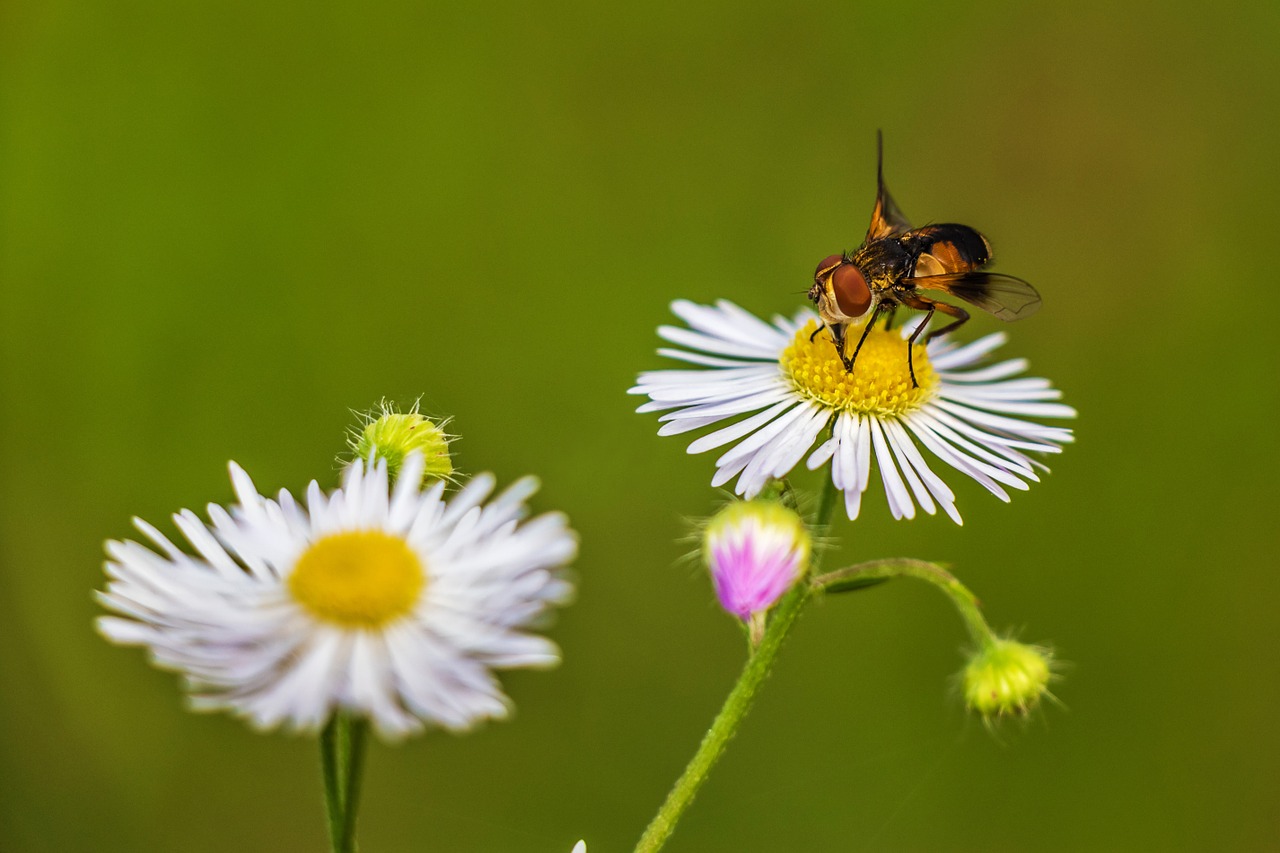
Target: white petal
x=735 y=431
x=717 y=346
x=708 y=360
x=967 y=354
x=739 y=406
x=688 y=425
x=908 y=470
x=763 y=436
x=907 y=450
x=993 y=372
x=728 y=325
x=900 y=504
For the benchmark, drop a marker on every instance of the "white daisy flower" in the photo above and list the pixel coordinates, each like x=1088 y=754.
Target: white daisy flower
x=793 y=387
x=390 y=603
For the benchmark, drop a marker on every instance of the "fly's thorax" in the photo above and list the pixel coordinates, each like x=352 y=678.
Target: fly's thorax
x=884 y=262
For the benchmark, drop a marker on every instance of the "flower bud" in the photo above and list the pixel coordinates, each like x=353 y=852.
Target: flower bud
x=756 y=550
x=393 y=435
x=1006 y=677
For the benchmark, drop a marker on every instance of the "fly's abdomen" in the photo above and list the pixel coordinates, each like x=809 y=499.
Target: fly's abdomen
x=947 y=248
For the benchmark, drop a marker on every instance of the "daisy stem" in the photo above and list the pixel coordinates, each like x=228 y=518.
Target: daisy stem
x=726 y=722
x=874 y=571
x=332 y=783
x=342 y=750
x=357 y=740
x=826 y=504
x=737 y=704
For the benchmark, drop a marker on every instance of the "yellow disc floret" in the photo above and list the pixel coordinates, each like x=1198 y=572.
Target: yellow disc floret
x=359 y=579
x=880 y=383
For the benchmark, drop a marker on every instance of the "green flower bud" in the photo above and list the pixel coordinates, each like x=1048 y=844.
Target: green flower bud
x=1006 y=677
x=392 y=436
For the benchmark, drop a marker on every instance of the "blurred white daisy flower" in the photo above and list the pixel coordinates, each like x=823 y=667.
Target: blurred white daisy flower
x=792 y=385
x=393 y=604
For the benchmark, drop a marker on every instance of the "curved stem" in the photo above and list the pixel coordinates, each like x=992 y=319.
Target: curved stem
x=865 y=574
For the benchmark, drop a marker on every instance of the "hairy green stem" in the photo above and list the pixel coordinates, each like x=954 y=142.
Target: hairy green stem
x=738 y=702
x=726 y=722
x=865 y=574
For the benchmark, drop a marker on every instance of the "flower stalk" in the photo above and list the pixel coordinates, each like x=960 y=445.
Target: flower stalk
x=726 y=722
x=877 y=571
x=342 y=751
x=1003 y=676
x=766 y=641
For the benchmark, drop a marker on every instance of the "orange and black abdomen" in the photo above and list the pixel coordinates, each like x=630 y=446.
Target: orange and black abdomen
x=946 y=248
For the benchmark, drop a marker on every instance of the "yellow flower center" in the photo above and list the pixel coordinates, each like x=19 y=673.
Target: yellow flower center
x=359 y=579
x=880 y=383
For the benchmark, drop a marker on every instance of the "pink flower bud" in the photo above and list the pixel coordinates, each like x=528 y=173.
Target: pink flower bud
x=755 y=550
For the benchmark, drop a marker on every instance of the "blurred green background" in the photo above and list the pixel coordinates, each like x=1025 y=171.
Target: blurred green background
x=226 y=225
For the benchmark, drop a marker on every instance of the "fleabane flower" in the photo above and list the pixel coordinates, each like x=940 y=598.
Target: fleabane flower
x=391 y=603
x=783 y=384
x=755 y=550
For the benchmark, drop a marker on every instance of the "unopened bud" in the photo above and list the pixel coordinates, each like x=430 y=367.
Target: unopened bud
x=1006 y=677
x=394 y=435
x=756 y=550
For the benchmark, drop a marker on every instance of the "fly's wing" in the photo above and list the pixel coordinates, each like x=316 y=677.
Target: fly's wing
x=1004 y=296
x=886 y=219
x=947 y=248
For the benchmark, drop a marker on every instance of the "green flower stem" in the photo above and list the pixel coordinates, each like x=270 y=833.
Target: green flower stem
x=726 y=722
x=342 y=751
x=865 y=574
x=332 y=780
x=826 y=504
x=738 y=702
x=357 y=741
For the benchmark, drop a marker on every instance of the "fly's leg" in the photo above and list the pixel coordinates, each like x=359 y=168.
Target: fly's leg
x=961 y=315
x=875 y=315
x=821 y=326
x=924 y=303
x=911 y=346
x=888 y=322
x=837 y=338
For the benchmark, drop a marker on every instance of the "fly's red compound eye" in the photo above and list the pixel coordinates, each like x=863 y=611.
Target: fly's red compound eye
x=852 y=294
x=829 y=263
